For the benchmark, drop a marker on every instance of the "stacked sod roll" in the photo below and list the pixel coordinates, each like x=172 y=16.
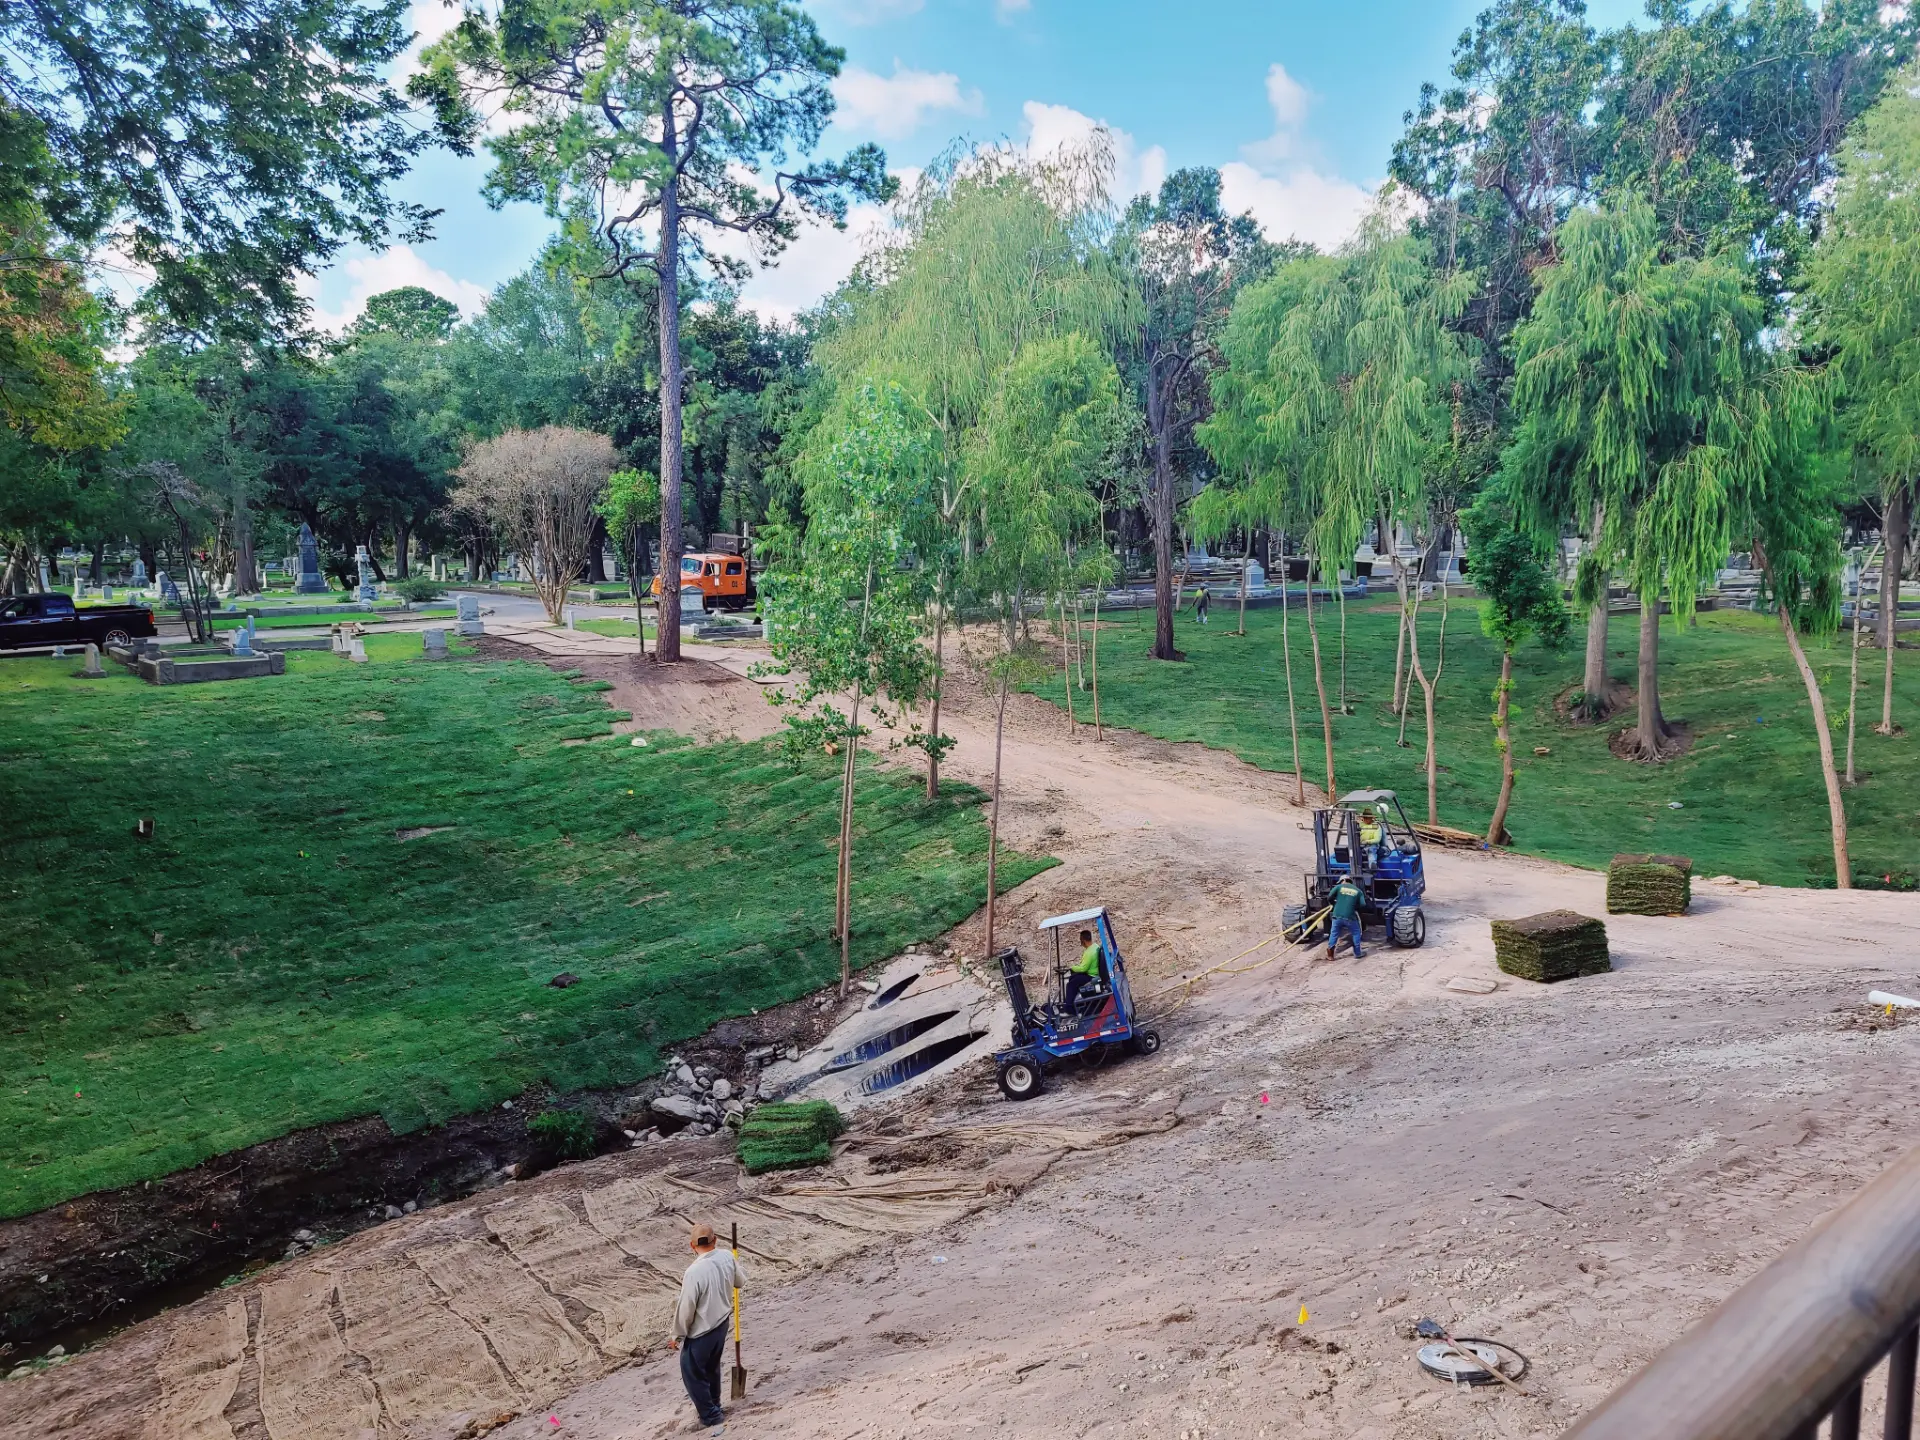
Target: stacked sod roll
x=789 y=1136
x=1556 y=945
x=1649 y=885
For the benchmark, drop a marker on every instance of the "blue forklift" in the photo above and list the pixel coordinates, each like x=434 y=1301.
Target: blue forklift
x=1388 y=868
x=1100 y=1022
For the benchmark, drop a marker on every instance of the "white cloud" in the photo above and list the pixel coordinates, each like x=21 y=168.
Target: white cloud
x=1007 y=9
x=1276 y=181
x=894 y=107
x=809 y=269
x=1302 y=204
x=429 y=20
x=371 y=274
x=1052 y=129
x=868 y=12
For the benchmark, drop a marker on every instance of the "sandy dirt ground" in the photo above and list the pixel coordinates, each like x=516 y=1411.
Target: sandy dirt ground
x=1579 y=1170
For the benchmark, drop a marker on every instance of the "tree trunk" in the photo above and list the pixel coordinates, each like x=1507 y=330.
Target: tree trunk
x=666 y=640
x=1163 y=596
x=1286 y=661
x=596 y=554
x=993 y=822
x=1651 y=731
x=1600 y=697
x=1400 y=648
x=97 y=569
x=1428 y=684
x=843 y=886
x=1894 y=531
x=1497 y=827
x=933 y=716
x=1836 y=802
x=1097 y=735
x=1245 y=561
x=1320 y=684
x=1341 y=591
x=637 y=539
x=1853 y=667
x=1066 y=672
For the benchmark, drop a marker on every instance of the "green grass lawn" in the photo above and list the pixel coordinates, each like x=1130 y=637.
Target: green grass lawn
x=275 y=957
x=1751 y=797
x=614 y=628
x=362 y=617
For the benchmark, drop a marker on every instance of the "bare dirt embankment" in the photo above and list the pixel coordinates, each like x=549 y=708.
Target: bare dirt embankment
x=1579 y=1170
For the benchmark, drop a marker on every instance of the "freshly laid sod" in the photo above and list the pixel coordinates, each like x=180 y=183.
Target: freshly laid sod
x=302 y=941
x=1749 y=797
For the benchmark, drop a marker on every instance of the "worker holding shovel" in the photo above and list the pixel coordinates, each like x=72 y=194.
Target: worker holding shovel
x=701 y=1321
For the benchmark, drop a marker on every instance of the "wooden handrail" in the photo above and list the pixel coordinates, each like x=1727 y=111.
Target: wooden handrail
x=1791 y=1344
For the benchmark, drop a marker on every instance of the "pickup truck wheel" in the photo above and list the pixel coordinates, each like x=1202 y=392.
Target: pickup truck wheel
x=118 y=637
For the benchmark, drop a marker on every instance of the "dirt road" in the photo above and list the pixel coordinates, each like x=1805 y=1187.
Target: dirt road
x=1579 y=1170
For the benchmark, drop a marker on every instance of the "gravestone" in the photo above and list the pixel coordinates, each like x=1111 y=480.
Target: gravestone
x=362 y=561
x=1256 y=577
x=243 y=639
x=468 y=616
x=106 y=593
x=93 y=670
x=692 y=601
x=311 y=581
x=433 y=644
x=139 y=573
x=169 y=591
x=569 y=615
x=45 y=583
x=440 y=569
x=357 y=651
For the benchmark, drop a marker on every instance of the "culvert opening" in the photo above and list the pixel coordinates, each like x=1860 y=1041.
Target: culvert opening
x=918 y=1063
x=893 y=992
x=877 y=1045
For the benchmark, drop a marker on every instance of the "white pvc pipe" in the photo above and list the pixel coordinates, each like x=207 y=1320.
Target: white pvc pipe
x=1881 y=997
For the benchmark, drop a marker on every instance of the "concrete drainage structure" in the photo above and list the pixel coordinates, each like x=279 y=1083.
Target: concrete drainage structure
x=927 y=1020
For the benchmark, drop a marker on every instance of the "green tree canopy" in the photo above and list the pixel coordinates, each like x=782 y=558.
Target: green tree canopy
x=412 y=312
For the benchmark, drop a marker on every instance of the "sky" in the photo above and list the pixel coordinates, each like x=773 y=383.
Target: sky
x=1298 y=102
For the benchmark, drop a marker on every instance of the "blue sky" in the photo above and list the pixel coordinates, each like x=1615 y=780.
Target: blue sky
x=1298 y=101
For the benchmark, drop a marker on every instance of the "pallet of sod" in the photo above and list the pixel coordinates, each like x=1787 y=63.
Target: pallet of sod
x=1556 y=945
x=789 y=1136
x=1649 y=885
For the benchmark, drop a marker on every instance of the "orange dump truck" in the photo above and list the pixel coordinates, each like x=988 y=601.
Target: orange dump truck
x=724 y=581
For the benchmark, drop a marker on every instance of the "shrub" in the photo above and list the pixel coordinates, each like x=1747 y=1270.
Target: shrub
x=418 y=589
x=567 y=1133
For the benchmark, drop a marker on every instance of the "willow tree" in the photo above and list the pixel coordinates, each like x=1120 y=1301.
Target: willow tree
x=844 y=604
x=1632 y=378
x=1336 y=396
x=994 y=253
x=1034 y=455
x=1864 y=298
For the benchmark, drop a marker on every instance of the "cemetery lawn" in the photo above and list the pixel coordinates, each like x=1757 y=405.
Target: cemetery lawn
x=270 y=621
x=615 y=629
x=1751 y=799
x=361 y=881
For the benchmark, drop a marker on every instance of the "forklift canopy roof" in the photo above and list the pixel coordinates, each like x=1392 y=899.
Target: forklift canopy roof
x=1074 y=919
x=1369 y=797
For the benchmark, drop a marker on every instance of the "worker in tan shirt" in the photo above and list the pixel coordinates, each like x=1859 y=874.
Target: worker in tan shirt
x=700 y=1323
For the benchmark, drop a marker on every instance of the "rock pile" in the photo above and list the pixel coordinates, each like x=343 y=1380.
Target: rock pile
x=1555 y=945
x=1649 y=885
x=694 y=1098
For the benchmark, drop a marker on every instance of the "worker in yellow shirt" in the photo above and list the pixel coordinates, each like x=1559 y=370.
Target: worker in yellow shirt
x=1085 y=971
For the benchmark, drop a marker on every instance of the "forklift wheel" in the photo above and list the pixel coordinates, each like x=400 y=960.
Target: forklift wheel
x=1147 y=1042
x=1019 y=1080
x=1408 y=928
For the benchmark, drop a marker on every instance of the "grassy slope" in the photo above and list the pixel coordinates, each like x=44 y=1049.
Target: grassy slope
x=1752 y=800
x=274 y=957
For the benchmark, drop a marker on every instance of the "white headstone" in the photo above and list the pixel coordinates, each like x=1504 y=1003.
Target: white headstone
x=467 y=611
x=692 y=601
x=569 y=614
x=358 y=652
x=433 y=644
x=93 y=670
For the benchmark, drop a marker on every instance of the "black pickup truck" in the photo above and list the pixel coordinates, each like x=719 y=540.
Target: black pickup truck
x=33 y=620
